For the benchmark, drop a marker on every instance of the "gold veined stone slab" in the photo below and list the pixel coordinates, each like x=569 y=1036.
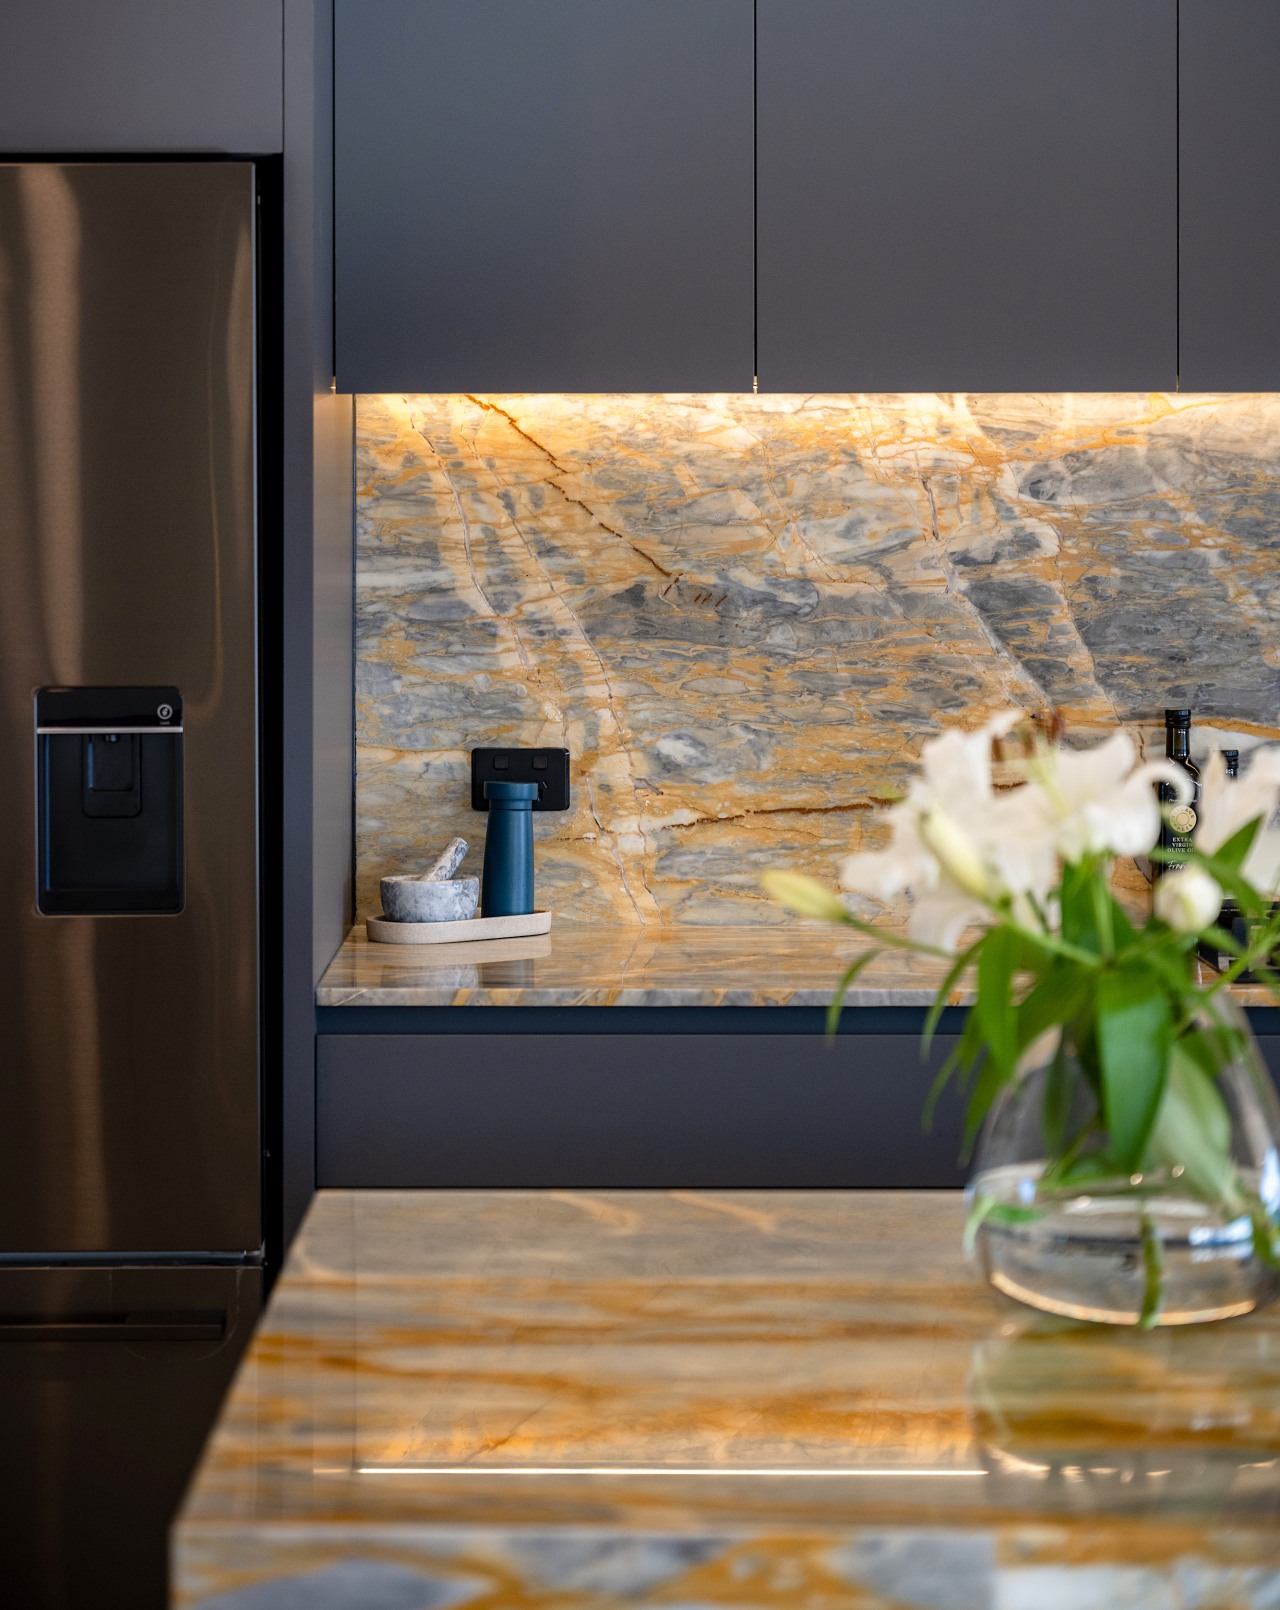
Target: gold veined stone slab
x=743 y=615
x=718 y=1399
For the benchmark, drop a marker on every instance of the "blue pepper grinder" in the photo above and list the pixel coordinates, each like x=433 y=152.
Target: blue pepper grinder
x=506 y=884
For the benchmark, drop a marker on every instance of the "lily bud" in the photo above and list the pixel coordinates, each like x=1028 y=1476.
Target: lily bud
x=957 y=854
x=805 y=896
x=1189 y=900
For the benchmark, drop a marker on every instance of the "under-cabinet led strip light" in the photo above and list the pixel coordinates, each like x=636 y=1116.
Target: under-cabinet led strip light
x=646 y=1470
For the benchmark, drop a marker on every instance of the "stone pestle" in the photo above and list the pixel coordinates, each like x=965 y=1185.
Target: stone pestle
x=447 y=862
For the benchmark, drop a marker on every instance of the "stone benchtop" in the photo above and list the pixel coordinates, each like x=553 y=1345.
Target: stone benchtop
x=582 y=964
x=801 y=1400
x=585 y=964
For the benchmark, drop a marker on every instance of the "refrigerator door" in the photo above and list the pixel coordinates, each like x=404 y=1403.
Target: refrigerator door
x=129 y=1110
x=109 y=1382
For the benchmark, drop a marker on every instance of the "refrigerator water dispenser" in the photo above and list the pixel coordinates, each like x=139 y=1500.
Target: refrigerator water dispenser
x=109 y=770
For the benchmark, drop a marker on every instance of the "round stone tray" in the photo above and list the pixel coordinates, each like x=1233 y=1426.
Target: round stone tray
x=383 y=932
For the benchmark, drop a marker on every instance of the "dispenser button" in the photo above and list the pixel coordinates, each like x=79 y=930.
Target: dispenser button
x=111 y=764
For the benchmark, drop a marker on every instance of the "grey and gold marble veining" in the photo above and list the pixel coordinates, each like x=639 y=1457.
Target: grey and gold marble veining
x=717 y=1400
x=743 y=615
x=591 y=964
x=619 y=964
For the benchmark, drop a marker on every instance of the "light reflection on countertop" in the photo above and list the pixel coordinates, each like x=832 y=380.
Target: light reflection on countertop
x=583 y=964
x=719 y=1400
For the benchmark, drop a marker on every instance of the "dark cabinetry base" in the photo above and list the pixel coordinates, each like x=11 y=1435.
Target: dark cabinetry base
x=545 y=1110
x=634 y=1110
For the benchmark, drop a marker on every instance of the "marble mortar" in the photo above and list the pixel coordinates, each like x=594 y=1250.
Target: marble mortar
x=414 y=899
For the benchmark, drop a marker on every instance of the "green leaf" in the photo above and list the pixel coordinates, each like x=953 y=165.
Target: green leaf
x=960 y=1060
x=987 y=1207
x=996 y=1012
x=1091 y=1168
x=842 y=989
x=962 y=961
x=1213 y=1044
x=1266 y=1236
x=1123 y=931
x=1056 y=1110
x=1193 y=1130
x=990 y=1082
x=1208 y=1112
x=1174 y=960
x=1237 y=847
x=1225 y=871
x=1030 y=955
x=1134 y=1031
x=1092 y=920
x=1076 y=903
x=1220 y=938
x=1055 y=999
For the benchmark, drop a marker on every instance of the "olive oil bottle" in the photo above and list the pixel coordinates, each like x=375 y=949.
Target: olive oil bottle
x=1178 y=824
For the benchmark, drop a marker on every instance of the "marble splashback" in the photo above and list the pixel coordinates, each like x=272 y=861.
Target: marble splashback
x=743 y=615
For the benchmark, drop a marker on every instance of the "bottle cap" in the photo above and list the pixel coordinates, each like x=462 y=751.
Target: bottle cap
x=1231 y=754
x=1177 y=718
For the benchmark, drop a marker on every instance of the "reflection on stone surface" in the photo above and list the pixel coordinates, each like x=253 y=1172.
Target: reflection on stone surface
x=616 y=964
x=743 y=615
x=588 y=964
x=800 y=1399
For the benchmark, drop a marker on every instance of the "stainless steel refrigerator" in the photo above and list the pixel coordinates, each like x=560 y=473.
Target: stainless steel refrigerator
x=130 y=1127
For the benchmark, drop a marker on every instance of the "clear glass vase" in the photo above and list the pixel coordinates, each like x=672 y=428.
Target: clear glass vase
x=1145 y=1249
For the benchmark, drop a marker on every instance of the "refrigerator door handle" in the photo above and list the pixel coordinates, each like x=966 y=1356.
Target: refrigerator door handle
x=205 y=1325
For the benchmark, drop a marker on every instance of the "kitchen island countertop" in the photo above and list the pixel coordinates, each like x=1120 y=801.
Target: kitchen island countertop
x=802 y=1400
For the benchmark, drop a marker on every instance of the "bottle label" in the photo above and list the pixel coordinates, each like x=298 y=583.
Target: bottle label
x=1182 y=819
x=1177 y=830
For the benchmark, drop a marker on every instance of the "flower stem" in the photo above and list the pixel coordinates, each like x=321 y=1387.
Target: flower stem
x=1152 y=1273
x=1258 y=951
x=1102 y=916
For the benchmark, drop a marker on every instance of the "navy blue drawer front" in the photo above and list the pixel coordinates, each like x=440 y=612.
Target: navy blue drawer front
x=597 y=1111
x=644 y=1110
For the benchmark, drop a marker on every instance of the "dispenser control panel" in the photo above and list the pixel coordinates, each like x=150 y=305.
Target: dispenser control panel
x=109 y=801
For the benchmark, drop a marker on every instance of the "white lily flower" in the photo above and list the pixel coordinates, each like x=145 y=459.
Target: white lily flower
x=1227 y=804
x=961 y=850
x=940 y=917
x=1021 y=843
x=950 y=847
x=958 y=853
x=1188 y=900
x=907 y=863
x=1100 y=803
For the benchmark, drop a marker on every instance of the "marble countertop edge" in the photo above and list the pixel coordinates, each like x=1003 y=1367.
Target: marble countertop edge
x=595 y=966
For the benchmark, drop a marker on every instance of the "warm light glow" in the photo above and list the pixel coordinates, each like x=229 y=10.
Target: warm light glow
x=1116 y=1316
x=653 y=1470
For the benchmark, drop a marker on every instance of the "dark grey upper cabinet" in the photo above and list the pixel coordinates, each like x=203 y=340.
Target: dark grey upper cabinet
x=1229 y=218
x=545 y=195
x=973 y=195
x=85 y=76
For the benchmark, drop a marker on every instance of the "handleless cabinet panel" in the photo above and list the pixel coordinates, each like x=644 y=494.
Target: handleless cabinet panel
x=972 y=195
x=1229 y=179
x=86 y=76
x=546 y=197
x=785 y=1111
